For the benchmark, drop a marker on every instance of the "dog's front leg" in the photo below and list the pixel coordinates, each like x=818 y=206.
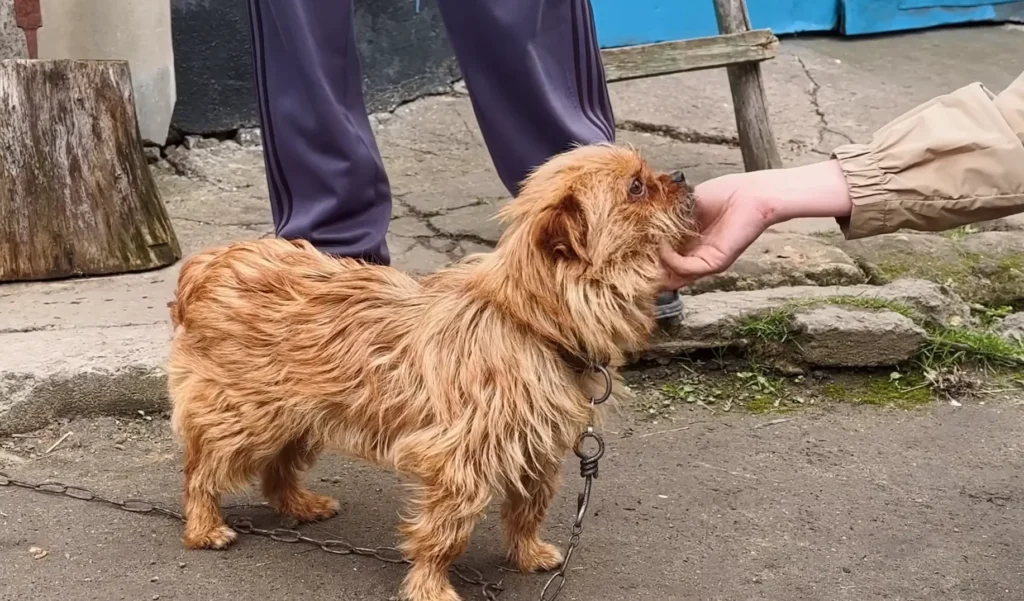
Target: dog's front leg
x=523 y=515
x=437 y=531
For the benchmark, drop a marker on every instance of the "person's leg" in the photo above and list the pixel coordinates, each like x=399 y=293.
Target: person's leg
x=536 y=80
x=326 y=178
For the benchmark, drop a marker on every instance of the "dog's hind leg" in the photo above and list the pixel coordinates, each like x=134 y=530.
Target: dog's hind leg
x=436 y=534
x=522 y=515
x=281 y=482
x=204 y=525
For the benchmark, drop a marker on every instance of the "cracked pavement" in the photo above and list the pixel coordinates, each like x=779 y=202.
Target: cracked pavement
x=821 y=92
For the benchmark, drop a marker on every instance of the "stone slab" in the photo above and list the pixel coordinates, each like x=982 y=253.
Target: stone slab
x=98 y=346
x=1012 y=328
x=784 y=259
x=836 y=336
x=713 y=320
x=984 y=267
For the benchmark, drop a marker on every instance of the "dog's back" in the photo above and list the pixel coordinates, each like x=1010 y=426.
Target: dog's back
x=242 y=311
x=222 y=276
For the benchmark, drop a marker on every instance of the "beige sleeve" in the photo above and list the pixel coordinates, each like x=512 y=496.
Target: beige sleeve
x=954 y=160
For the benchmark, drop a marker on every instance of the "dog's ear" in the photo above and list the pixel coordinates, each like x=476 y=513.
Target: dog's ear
x=563 y=230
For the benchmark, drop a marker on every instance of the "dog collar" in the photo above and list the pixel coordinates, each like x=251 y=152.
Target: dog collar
x=581 y=363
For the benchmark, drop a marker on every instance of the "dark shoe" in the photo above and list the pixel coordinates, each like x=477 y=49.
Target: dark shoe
x=669 y=309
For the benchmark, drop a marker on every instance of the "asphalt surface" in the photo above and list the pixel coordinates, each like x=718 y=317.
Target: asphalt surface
x=840 y=503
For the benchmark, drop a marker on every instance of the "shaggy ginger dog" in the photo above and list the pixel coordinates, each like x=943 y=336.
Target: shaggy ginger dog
x=469 y=381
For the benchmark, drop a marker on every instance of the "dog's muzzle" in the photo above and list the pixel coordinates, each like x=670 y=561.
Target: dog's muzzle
x=678 y=177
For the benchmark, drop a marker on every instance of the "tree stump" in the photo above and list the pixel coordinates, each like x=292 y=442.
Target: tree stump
x=76 y=194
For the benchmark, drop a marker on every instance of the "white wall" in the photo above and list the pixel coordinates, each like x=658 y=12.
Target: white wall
x=12 y=39
x=138 y=31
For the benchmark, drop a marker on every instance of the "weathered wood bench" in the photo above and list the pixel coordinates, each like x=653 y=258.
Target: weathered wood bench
x=739 y=49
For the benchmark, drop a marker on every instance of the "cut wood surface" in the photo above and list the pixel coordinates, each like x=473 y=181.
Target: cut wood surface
x=648 y=60
x=755 y=133
x=76 y=194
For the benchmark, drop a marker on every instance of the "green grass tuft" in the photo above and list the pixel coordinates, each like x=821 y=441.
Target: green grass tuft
x=954 y=346
x=904 y=393
x=773 y=326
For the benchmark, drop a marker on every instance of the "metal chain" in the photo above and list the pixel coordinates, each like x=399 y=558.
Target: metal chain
x=588 y=470
x=467 y=574
x=244 y=525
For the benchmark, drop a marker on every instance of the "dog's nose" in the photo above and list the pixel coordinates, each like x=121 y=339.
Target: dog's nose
x=678 y=177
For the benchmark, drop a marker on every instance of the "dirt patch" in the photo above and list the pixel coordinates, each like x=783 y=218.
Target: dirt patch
x=721 y=385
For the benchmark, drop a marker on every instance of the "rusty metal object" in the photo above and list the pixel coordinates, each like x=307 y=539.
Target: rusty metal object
x=28 y=16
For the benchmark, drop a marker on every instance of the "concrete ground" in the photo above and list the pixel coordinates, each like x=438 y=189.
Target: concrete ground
x=842 y=502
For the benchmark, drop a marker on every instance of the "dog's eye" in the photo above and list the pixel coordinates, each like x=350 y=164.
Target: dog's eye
x=637 y=188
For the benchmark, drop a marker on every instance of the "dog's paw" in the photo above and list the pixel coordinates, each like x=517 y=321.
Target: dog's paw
x=220 y=537
x=538 y=556
x=311 y=507
x=429 y=589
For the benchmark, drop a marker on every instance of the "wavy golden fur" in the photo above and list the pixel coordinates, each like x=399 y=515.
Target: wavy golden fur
x=459 y=381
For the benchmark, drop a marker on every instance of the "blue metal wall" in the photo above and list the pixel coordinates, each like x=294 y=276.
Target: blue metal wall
x=629 y=22
x=878 y=16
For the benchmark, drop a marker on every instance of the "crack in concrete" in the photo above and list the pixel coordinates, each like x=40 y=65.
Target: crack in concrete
x=421 y=214
x=424 y=218
x=822 y=119
x=448 y=89
x=688 y=136
x=54 y=328
x=425 y=151
x=247 y=226
x=184 y=171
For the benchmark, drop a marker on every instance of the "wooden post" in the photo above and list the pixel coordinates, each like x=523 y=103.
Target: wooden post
x=756 y=140
x=76 y=194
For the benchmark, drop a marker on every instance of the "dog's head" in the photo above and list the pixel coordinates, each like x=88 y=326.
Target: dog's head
x=579 y=261
x=600 y=213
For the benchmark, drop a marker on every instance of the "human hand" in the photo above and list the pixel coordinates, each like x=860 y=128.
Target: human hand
x=730 y=216
x=733 y=210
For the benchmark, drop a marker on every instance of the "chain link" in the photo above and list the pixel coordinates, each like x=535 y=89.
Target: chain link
x=467 y=574
x=588 y=470
x=244 y=525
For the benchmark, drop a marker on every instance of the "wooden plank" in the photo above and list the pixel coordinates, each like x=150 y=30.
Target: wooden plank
x=648 y=60
x=756 y=139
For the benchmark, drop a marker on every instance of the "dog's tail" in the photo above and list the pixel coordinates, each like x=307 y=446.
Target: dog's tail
x=190 y=280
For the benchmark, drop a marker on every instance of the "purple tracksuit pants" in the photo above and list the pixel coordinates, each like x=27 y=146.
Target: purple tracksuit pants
x=534 y=74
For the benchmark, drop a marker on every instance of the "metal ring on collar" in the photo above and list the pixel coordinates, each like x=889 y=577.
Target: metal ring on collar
x=607 y=386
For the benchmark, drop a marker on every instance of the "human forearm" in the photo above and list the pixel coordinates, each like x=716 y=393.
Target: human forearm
x=951 y=161
x=815 y=190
